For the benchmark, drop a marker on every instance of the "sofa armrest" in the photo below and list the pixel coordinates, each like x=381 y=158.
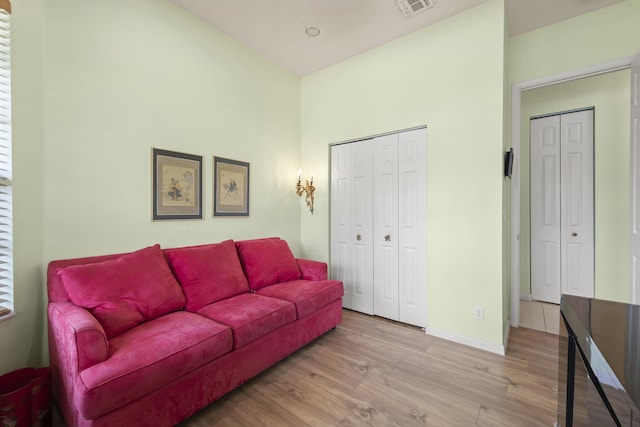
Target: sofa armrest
x=77 y=335
x=312 y=270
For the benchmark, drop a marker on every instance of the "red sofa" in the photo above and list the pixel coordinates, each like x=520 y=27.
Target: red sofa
x=150 y=337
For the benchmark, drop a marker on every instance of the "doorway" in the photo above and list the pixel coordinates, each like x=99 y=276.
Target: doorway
x=562 y=205
x=519 y=260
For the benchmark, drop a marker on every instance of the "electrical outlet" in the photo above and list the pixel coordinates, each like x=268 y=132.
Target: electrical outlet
x=478 y=313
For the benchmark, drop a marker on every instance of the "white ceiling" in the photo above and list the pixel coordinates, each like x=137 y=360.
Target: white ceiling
x=275 y=28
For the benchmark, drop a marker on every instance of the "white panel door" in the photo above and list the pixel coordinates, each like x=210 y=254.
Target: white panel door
x=412 y=226
x=385 y=226
x=378 y=225
x=562 y=204
x=352 y=222
x=545 y=209
x=635 y=180
x=341 y=170
x=577 y=217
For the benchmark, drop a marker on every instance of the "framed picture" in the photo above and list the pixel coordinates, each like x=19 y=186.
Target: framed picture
x=230 y=187
x=177 y=185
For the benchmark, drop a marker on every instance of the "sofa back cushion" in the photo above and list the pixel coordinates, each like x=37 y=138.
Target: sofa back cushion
x=126 y=291
x=267 y=262
x=207 y=273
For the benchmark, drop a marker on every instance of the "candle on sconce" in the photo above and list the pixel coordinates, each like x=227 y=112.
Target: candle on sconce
x=311 y=179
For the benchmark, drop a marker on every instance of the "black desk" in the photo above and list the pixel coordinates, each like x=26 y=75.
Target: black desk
x=599 y=363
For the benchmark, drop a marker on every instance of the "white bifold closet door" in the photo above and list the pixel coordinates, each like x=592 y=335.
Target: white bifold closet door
x=395 y=242
x=351 y=223
x=562 y=206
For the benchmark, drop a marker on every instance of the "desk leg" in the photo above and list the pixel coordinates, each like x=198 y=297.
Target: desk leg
x=571 y=375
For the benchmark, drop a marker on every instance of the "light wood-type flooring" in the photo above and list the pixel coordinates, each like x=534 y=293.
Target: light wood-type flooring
x=371 y=371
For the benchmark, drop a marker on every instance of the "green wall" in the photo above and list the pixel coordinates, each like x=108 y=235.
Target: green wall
x=609 y=94
x=164 y=79
x=96 y=85
x=23 y=335
x=594 y=38
x=449 y=77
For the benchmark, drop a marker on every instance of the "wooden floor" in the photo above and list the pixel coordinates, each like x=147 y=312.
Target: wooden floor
x=371 y=371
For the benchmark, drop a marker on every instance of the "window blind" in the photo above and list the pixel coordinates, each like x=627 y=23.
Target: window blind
x=6 y=217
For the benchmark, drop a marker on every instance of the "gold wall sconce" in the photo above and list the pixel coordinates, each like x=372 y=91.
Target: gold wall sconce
x=307 y=189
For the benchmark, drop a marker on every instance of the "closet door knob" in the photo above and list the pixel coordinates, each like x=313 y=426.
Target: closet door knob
x=574 y=234
x=387 y=238
x=358 y=237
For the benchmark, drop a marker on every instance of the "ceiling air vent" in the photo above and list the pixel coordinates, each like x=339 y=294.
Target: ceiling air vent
x=411 y=7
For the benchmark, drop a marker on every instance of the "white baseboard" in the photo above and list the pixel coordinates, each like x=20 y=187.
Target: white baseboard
x=526 y=297
x=462 y=339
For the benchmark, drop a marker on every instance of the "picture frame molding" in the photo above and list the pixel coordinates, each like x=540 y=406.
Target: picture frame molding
x=236 y=193
x=165 y=209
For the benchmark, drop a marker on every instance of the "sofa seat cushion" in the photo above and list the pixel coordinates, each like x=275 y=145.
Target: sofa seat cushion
x=207 y=273
x=250 y=316
x=124 y=292
x=267 y=261
x=148 y=357
x=308 y=296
